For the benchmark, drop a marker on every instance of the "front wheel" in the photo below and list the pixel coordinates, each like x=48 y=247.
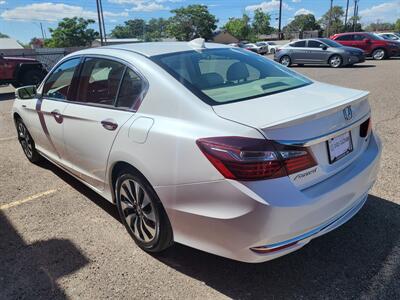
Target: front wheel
x=142 y=213
x=335 y=61
x=379 y=54
x=285 y=60
x=27 y=143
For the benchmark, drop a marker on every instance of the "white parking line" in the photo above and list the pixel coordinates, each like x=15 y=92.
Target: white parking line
x=30 y=198
x=8 y=138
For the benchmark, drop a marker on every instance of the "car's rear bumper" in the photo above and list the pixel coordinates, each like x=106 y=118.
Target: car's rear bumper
x=228 y=218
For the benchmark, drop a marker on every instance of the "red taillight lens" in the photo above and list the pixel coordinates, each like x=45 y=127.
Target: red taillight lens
x=254 y=159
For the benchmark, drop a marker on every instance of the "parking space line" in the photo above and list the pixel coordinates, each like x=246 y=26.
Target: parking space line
x=30 y=198
x=8 y=138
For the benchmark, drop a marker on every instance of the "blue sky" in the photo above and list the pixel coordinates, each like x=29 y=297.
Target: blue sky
x=21 y=18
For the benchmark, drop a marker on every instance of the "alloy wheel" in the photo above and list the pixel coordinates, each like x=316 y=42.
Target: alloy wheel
x=335 y=61
x=25 y=140
x=138 y=211
x=379 y=54
x=285 y=60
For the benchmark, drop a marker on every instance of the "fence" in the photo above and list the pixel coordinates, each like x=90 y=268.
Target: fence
x=47 y=56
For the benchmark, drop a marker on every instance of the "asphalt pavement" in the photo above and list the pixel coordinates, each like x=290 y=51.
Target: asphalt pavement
x=60 y=240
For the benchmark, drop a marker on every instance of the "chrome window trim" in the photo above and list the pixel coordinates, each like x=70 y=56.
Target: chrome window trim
x=325 y=137
x=82 y=58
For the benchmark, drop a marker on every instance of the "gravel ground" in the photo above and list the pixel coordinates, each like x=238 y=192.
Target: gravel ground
x=69 y=243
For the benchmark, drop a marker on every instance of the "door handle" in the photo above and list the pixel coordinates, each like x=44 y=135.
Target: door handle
x=23 y=105
x=57 y=116
x=109 y=124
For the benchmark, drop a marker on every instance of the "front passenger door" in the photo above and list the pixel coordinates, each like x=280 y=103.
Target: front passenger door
x=104 y=102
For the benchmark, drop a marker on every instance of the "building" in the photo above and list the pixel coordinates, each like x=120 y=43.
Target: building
x=222 y=36
x=8 y=43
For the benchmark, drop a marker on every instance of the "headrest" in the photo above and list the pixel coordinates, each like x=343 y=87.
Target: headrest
x=209 y=80
x=237 y=71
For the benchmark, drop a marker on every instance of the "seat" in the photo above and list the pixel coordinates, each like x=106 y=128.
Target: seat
x=237 y=72
x=210 y=80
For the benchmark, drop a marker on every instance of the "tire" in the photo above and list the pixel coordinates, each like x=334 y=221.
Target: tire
x=335 y=61
x=379 y=54
x=285 y=60
x=142 y=213
x=32 y=77
x=27 y=143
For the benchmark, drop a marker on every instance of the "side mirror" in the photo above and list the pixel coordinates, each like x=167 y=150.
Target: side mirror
x=26 y=92
x=323 y=47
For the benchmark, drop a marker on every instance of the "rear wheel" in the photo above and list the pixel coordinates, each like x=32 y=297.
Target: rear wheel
x=285 y=60
x=335 y=61
x=379 y=54
x=27 y=143
x=142 y=213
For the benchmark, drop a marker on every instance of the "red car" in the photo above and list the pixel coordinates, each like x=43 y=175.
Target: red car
x=372 y=44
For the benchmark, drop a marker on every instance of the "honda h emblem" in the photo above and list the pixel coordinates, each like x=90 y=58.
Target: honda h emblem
x=348 y=113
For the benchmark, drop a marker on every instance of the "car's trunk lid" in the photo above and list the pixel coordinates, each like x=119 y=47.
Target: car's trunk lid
x=306 y=116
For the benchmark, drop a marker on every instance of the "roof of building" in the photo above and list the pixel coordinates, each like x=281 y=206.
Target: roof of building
x=8 y=43
x=158 y=48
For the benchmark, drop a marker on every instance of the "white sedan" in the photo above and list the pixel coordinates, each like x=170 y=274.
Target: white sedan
x=206 y=145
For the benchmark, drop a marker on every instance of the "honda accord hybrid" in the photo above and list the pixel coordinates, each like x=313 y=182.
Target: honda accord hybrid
x=206 y=145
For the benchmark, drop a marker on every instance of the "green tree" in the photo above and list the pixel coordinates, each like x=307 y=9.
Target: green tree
x=156 y=29
x=261 y=22
x=350 y=24
x=302 y=23
x=336 y=16
x=380 y=26
x=2 y=35
x=397 y=25
x=134 y=28
x=72 y=32
x=191 y=22
x=239 y=27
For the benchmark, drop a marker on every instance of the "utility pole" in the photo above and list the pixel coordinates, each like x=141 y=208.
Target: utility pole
x=100 y=23
x=280 y=20
x=41 y=28
x=345 y=18
x=355 y=15
x=330 y=21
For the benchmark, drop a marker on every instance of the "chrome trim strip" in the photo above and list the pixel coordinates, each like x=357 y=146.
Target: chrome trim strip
x=322 y=138
x=328 y=226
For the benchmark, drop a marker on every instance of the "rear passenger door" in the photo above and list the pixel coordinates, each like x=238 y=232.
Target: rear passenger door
x=298 y=52
x=106 y=98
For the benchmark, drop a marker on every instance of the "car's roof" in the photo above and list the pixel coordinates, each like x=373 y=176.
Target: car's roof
x=158 y=48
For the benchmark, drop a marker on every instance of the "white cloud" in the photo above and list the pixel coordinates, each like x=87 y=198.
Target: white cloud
x=52 y=12
x=303 y=11
x=2 y=2
x=296 y=1
x=385 y=12
x=268 y=6
x=148 y=7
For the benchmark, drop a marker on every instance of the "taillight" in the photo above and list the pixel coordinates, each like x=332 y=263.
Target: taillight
x=254 y=159
x=365 y=128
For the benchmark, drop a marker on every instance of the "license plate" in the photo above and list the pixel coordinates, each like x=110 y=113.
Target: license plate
x=339 y=147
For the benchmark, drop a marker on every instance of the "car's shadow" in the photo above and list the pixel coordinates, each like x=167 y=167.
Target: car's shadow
x=357 y=66
x=360 y=259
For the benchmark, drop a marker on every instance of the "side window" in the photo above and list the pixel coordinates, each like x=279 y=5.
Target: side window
x=314 y=44
x=131 y=90
x=348 y=37
x=59 y=82
x=359 y=37
x=99 y=81
x=299 y=44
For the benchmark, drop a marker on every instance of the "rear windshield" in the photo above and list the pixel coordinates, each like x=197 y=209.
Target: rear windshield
x=219 y=76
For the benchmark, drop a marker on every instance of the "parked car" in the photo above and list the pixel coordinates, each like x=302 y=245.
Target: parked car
x=205 y=145
x=259 y=49
x=373 y=45
x=390 y=36
x=318 y=51
x=272 y=46
x=20 y=71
